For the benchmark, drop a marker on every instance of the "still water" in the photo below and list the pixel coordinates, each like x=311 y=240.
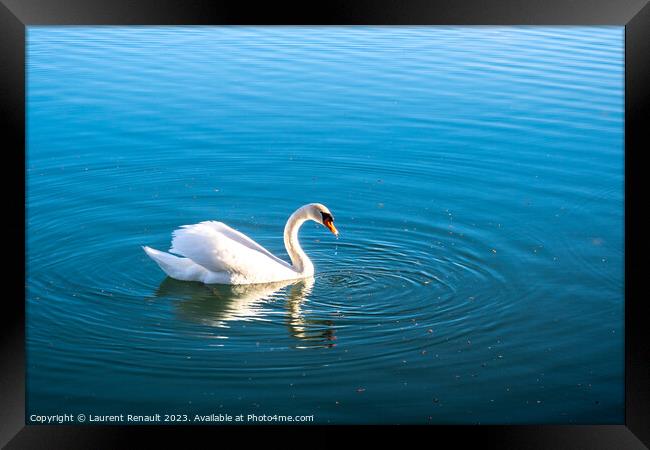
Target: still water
x=475 y=174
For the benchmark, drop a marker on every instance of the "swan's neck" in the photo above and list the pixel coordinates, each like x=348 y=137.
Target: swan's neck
x=301 y=262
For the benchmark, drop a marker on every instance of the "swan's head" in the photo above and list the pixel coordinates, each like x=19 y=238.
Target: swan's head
x=319 y=213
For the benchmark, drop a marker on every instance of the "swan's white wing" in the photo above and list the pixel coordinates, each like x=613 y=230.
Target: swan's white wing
x=219 y=248
x=235 y=235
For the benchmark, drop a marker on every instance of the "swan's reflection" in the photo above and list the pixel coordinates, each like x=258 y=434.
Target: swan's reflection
x=300 y=327
x=216 y=305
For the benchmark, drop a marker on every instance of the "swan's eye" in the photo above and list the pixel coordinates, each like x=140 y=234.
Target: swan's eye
x=328 y=221
x=327 y=218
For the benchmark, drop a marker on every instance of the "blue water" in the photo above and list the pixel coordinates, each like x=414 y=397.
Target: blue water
x=475 y=174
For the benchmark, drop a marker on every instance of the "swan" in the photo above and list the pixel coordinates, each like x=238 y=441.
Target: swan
x=213 y=253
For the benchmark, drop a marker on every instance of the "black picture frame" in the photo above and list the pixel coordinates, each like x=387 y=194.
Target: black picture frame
x=16 y=15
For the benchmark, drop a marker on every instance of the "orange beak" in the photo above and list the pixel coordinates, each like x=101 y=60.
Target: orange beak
x=330 y=226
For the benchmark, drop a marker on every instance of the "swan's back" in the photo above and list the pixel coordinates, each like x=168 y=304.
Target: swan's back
x=222 y=254
x=212 y=230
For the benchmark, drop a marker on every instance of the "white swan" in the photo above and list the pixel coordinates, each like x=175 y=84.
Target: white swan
x=214 y=253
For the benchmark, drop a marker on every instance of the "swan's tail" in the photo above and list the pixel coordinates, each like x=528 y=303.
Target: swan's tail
x=166 y=261
x=174 y=266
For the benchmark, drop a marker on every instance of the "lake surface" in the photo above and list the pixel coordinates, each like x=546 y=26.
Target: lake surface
x=475 y=174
